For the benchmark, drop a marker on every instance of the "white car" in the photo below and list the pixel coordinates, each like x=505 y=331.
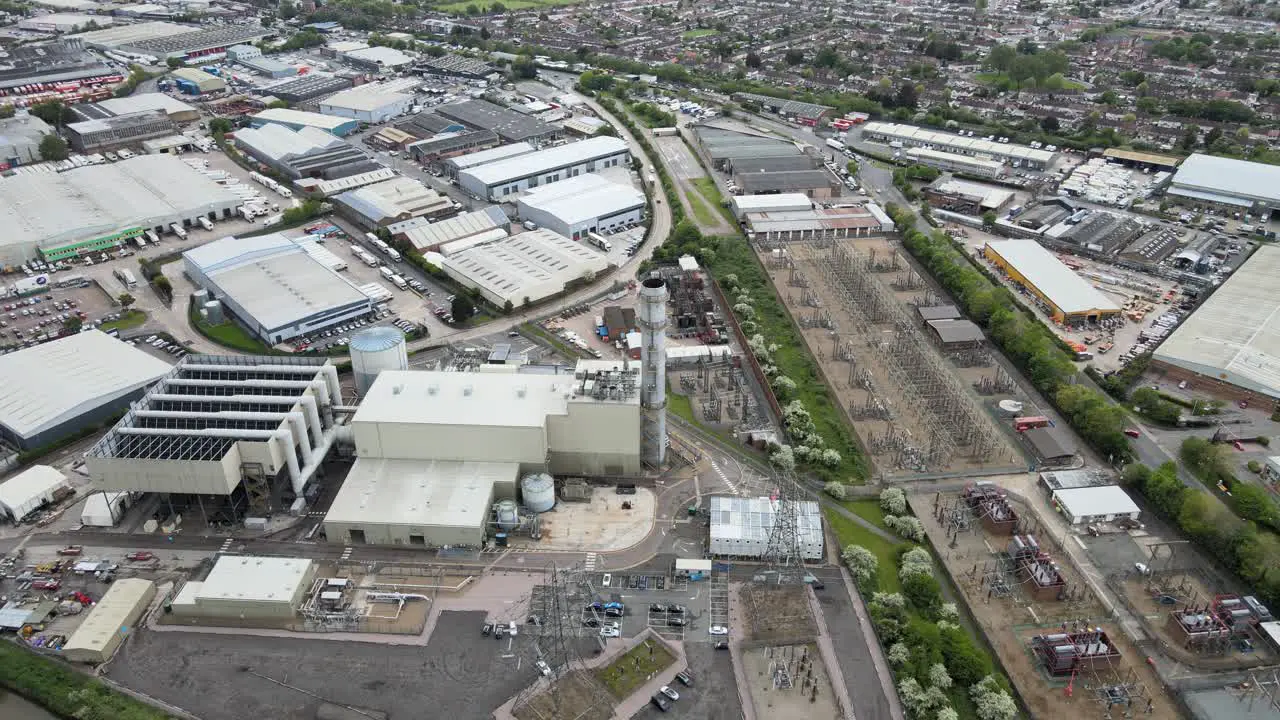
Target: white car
x=608 y=578
x=669 y=692
x=719 y=630
x=543 y=668
x=611 y=630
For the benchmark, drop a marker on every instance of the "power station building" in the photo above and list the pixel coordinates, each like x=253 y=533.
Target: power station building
x=435 y=450
x=224 y=434
x=248 y=588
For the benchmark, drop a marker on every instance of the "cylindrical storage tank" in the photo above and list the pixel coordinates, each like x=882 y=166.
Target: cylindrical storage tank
x=201 y=297
x=508 y=515
x=213 y=310
x=375 y=350
x=539 y=492
x=1010 y=407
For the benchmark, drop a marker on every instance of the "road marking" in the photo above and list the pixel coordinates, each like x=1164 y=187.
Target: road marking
x=346 y=555
x=590 y=563
x=226 y=545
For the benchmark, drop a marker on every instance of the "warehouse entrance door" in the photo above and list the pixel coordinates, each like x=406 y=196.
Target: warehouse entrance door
x=357 y=537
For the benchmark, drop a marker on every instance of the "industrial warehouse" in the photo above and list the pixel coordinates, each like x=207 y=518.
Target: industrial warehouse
x=223 y=435
x=273 y=286
x=298 y=119
x=584 y=204
x=950 y=144
x=524 y=268
x=509 y=125
x=369 y=103
x=1231 y=343
x=63 y=215
x=1236 y=185
x=306 y=153
x=1069 y=297
x=252 y=588
x=501 y=179
x=742 y=527
x=97 y=377
x=813 y=224
x=392 y=201
x=163 y=40
x=456 y=233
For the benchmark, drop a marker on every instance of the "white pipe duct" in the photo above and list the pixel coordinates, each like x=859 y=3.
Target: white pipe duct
x=294 y=418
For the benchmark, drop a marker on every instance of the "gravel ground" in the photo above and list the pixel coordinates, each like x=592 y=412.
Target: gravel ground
x=459 y=675
x=865 y=692
x=714 y=695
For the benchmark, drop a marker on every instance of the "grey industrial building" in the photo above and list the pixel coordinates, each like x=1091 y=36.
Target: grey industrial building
x=735 y=151
x=63 y=60
x=178 y=111
x=787 y=108
x=1238 y=185
x=307 y=88
x=224 y=435
x=504 y=178
x=273 y=286
x=56 y=389
x=817 y=184
x=455 y=66
x=305 y=153
x=92 y=136
x=582 y=205
x=509 y=125
x=20 y=139
x=441 y=147
x=163 y=40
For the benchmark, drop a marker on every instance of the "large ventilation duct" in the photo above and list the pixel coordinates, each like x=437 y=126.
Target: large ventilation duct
x=297 y=479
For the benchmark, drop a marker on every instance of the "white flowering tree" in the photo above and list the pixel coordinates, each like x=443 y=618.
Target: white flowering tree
x=915 y=561
x=899 y=654
x=939 y=677
x=905 y=526
x=948 y=713
x=784 y=385
x=784 y=458
x=831 y=458
x=836 y=490
x=893 y=501
x=991 y=702
x=863 y=565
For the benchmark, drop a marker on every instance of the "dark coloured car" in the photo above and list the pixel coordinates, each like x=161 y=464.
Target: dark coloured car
x=722 y=645
x=614 y=612
x=673 y=608
x=685 y=678
x=591 y=622
x=657 y=607
x=662 y=701
x=487 y=629
x=677 y=622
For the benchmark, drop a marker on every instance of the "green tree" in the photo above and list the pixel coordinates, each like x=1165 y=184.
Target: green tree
x=793 y=57
x=174 y=62
x=524 y=68
x=462 y=308
x=53 y=147
x=497 y=8
x=753 y=61
x=287 y=10
x=53 y=112
x=125 y=300
x=72 y=324
x=507 y=307
x=220 y=126
x=1050 y=124
x=7 y=111
x=989 y=219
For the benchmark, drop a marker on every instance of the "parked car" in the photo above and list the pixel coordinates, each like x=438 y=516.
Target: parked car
x=719 y=630
x=543 y=668
x=140 y=555
x=677 y=622
x=685 y=678
x=669 y=692
x=663 y=703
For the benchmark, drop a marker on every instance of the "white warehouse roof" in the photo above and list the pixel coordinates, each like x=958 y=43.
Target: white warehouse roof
x=289 y=116
x=501 y=152
x=742 y=526
x=365 y=98
x=55 y=209
x=770 y=203
x=449 y=398
x=27 y=490
x=496 y=173
x=272 y=277
x=441 y=493
x=1240 y=179
x=532 y=265
x=458 y=227
x=1070 y=292
x=582 y=199
x=254 y=579
x=1235 y=335
x=48 y=384
x=1099 y=500
x=147 y=101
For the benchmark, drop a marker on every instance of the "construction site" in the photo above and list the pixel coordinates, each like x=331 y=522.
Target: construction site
x=1197 y=624
x=1052 y=634
x=911 y=387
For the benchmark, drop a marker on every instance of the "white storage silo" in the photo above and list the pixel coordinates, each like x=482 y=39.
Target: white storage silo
x=375 y=350
x=213 y=311
x=539 y=492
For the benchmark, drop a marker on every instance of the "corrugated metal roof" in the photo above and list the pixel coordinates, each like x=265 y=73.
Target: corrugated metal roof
x=455 y=228
x=441 y=493
x=1228 y=176
x=1100 y=500
x=50 y=383
x=1063 y=287
x=583 y=198
x=110 y=617
x=491 y=155
x=544 y=160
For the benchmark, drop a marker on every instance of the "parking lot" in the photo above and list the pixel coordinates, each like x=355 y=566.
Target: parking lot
x=37 y=318
x=649 y=598
x=713 y=694
x=459 y=675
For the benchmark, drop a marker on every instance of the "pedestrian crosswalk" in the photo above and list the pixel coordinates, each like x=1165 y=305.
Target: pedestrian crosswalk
x=346 y=555
x=590 y=563
x=226 y=545
x=724 y=478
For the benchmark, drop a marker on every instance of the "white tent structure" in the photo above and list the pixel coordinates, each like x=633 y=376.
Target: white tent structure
x=104 y=509
x=28 y=490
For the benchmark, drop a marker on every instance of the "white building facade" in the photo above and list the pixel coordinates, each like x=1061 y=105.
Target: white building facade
x=582 y=205
x=502 y=179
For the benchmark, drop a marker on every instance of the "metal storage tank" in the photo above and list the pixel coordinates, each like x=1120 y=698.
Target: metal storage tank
x=213 y=311
x=375 y=350
x=539 y=492
x=508 y=515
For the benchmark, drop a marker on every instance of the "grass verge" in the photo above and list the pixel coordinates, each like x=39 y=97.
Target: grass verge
x=734 y=257
x=626 y=674
x=228 y=334
x=707 y=187
x=703 y=214
x=128 y=319
x=64 y=691
x=849 y=532
x=697 y=33
x=867 y=509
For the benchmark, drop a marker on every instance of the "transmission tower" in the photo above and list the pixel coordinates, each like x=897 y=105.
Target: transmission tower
x=783 y=557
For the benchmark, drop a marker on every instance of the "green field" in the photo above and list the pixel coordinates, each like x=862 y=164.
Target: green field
x=461 y=7
x=1002 y=80
x=705 y=215
x=228 y=334
x=699 y=32
x=64 y=691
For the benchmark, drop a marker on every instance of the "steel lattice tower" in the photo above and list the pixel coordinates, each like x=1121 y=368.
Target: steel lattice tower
x=783 y=555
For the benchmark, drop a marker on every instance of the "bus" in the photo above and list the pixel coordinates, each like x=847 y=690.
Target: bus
x=126 y=278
